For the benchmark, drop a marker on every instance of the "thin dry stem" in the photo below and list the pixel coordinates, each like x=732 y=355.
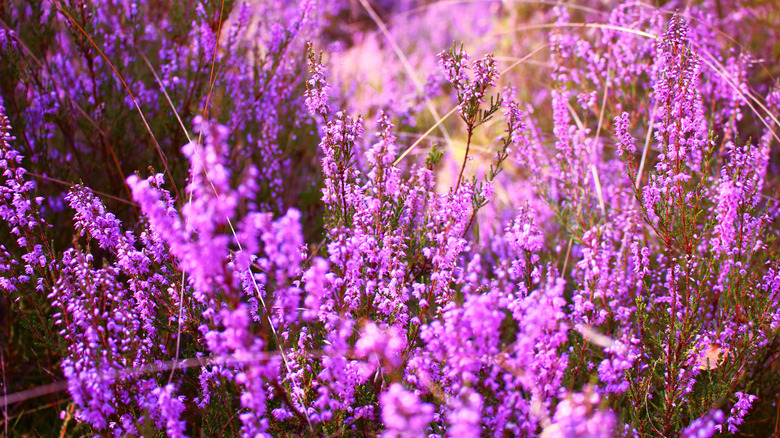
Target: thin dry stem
x=648 y=138
x=69 y=184
x=593 y=169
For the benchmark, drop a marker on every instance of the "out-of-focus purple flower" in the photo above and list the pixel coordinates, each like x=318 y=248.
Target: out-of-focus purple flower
x=380 y=344
x=704 y=427
x=579 y=416
x=465 y=414
x=403 y=414
x=612 y=370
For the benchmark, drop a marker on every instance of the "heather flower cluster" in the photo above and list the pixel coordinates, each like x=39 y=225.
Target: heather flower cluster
x=397 y=219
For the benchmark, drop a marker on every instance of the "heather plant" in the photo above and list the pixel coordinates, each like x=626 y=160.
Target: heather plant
x=213 y=229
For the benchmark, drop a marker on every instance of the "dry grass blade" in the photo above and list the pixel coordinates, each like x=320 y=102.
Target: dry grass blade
x=167 y=97
x=407 y=66
x=189 y=201
x=597 y=182
x=593 y=169
x=718 y=68
x=523 y=59
x=38 y=391
x=52 y=388
x=575 y=117
x=445 y=3
x=422 y=137
x=545 y=64
x=577 y=26
x=212 y=81
x=594 y=336
x=17 y=416
x=212 y=73
x=566 y=257
x=648 y=139
x=709 y=26
x=257 y=357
